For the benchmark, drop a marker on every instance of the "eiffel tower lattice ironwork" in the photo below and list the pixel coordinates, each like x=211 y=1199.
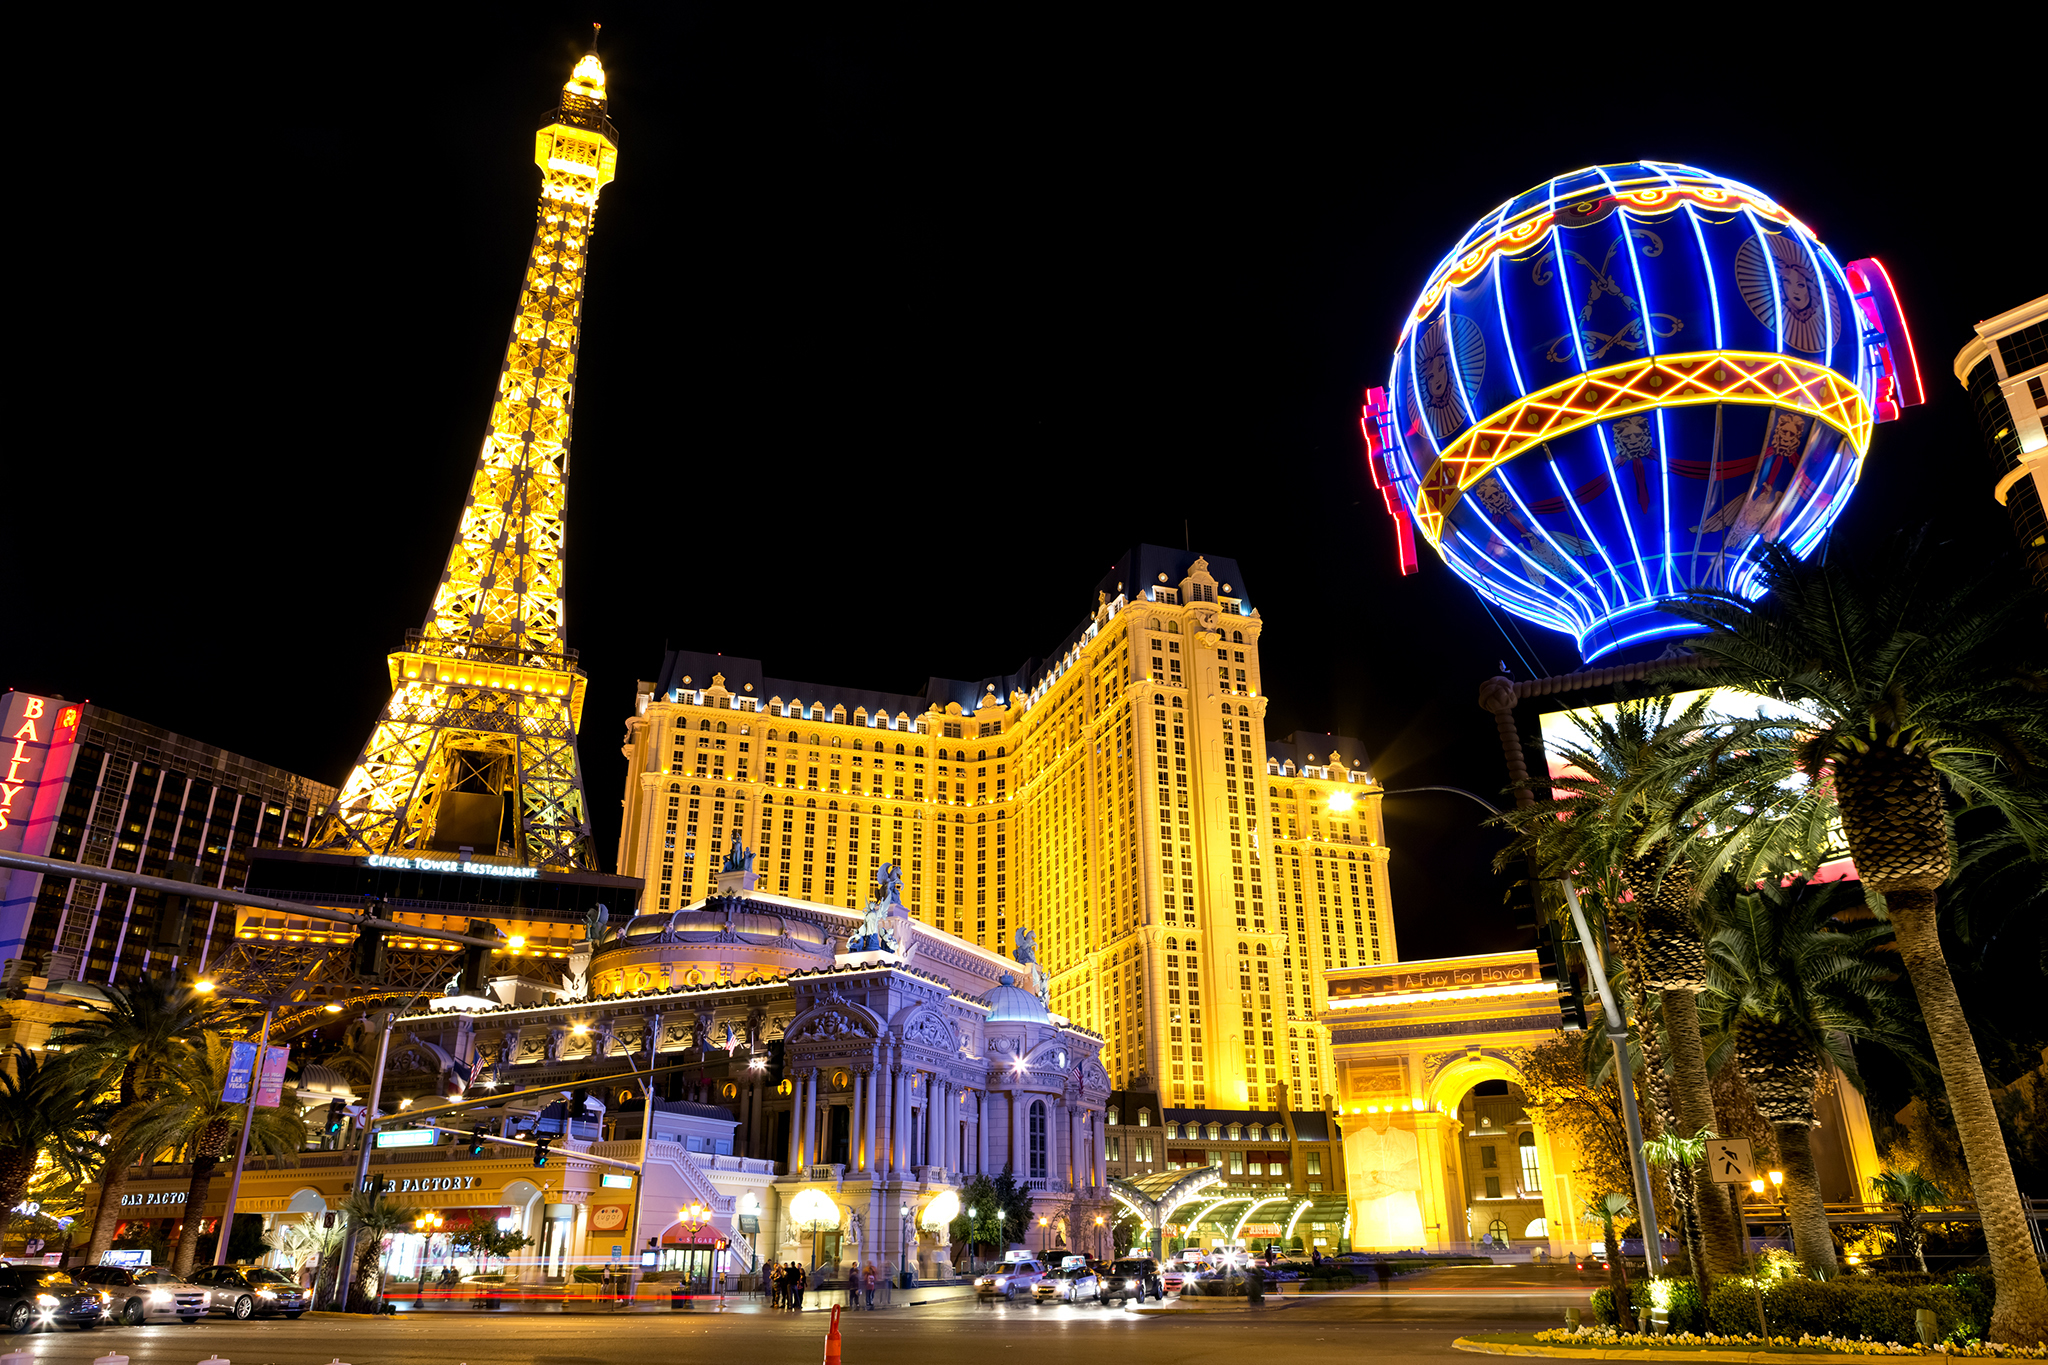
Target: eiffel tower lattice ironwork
x=477 y=747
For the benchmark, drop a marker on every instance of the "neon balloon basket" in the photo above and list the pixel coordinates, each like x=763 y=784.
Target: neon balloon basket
x=1620 y=386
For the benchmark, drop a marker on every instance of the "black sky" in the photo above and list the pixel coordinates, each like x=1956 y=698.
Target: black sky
x=898 y=332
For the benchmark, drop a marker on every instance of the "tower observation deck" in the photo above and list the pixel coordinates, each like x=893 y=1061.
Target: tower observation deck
x=475 y=753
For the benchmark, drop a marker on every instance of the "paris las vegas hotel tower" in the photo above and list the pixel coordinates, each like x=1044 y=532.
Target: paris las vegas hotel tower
x=1189 y=881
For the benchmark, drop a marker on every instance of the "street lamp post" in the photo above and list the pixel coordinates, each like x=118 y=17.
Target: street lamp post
x=1098 y=1236
x=1617 y=1036
x=970 y=1240
x=427 y=1224
x=1042 y=1248
x=902 y=1242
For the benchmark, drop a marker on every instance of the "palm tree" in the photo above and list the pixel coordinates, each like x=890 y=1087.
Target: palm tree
x=1910 y=1193
x=190 y=1116
x=1628 y=776
x=1790 y=989
x=1681 y=1157
x=1608 y=1210
x=1910 y=681
x=374 y=1219
x=50 y=1110
x=129 y=1038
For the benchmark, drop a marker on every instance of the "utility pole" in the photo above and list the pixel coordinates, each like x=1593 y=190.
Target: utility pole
x=1617 y=1023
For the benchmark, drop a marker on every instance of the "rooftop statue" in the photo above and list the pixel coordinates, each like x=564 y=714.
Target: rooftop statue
x=737 y=858
x=1027 y=956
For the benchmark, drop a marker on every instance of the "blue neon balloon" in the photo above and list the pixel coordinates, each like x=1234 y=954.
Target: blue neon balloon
x=1620 y=385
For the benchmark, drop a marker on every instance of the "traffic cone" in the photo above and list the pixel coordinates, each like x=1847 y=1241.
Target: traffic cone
x=832 y=1339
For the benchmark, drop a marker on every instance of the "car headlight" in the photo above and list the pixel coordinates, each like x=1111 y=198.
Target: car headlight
x=159 y=1296
x=46 y=1300
x=266 y=1293
x=105 y=1298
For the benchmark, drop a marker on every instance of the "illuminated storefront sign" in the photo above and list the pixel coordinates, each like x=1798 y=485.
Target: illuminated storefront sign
x=133 y=1201
x=450 y=866
x=40 y=735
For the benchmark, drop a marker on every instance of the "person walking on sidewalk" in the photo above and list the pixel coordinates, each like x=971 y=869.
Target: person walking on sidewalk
x=868 y=1282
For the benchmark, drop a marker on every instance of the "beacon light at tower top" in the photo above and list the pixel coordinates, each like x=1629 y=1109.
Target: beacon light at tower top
x=1621 y=385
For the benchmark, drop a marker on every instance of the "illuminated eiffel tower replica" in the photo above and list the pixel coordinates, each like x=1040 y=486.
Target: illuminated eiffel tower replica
x=467 y=804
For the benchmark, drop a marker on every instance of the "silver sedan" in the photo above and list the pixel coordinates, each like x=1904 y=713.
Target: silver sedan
x=239 y=1292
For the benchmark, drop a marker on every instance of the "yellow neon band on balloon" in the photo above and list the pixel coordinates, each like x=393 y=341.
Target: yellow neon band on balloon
x=1657 y=198
x=1699 y=377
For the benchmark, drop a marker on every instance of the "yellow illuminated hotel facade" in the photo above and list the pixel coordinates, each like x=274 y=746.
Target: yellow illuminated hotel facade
x=1188 y=880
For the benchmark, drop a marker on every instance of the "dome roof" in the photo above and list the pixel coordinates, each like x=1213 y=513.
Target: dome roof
x=693 y=925
x=1011 y=1003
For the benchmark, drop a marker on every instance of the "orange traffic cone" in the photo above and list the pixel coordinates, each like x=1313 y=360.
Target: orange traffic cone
x=832 y=1339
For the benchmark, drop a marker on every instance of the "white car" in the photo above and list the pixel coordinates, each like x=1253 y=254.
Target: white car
x=1010 y=1280
x=1070 y=1284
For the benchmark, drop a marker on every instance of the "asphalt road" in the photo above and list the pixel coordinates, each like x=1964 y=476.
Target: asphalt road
x=1412 y=1319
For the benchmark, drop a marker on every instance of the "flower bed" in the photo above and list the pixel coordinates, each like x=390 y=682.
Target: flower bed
x=1607 y=1338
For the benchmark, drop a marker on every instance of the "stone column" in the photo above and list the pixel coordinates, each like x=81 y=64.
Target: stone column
x=796 y=1125
x=873 y=1078
x=757 y=1140
x=1020 y=1136
x=1101 y=1156
x=981 y=1102
x=856 y=1156
x=899 y=1127
x=934 y=1152
x=1074 y=1149
x=809 y=1095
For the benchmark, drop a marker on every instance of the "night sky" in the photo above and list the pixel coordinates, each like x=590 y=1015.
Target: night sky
x=897 y=334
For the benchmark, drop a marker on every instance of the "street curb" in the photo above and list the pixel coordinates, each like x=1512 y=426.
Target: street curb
x=1508 y=1348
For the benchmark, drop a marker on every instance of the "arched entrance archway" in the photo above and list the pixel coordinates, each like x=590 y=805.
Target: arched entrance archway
x=1412 y=1043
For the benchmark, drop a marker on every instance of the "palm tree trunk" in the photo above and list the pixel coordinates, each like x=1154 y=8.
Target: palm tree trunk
x=1813 y=1242
x=114 y=1170
x=2020 y=1313
x=1617 y=1281
x=1693 y=1097
x=195 y=1205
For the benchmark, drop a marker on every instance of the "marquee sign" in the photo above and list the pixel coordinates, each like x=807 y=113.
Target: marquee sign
x=451 y=865
x=1441 y=979
x=132 y=1201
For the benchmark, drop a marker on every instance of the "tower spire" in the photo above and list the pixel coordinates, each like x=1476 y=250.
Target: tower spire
x=477 y=747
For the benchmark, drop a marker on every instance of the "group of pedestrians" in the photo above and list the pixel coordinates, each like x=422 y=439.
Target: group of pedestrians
x=857 y=1281
x=786 y=1286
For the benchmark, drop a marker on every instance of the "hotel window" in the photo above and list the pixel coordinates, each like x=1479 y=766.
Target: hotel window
x=1493 y=1187
x=1315 y=1163
x=1532 y=1174
x=1487 y=1160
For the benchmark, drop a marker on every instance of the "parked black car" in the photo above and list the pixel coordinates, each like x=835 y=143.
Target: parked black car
x=32 y=1297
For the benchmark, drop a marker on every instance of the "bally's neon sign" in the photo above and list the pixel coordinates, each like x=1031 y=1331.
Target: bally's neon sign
x=63 y=727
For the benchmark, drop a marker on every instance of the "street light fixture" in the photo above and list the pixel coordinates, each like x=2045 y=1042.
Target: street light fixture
x=903 y=1243
x=426 y=1225
x=1041 y=1236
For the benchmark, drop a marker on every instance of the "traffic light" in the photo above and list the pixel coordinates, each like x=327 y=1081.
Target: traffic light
x=540 y=1151
x=476 y=1139
x=337 y=1115
x=1572 y=1005
x=476 y=961
x=1552 y=967
x=171 y=916
x=369 y=954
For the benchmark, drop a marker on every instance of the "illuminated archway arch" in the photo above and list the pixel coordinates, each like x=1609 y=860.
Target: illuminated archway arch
x=1448 y=1086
